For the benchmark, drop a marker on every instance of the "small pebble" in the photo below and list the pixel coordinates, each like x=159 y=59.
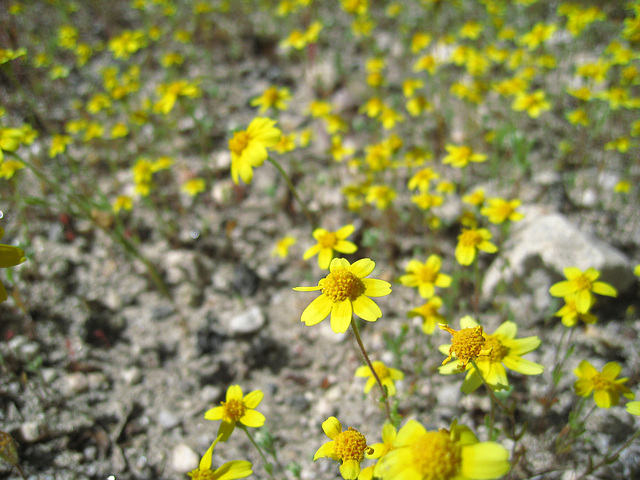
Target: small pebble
x=183 y=459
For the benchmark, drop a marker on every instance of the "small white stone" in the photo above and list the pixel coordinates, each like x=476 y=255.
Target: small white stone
x=183 y=459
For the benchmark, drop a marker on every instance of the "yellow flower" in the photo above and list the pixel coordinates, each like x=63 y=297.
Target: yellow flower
x=122 y=202
x=578 y=116
x=420 y=41
x=127 y=43
x=237 y=408
x=345 y=292
x=426 y=63
x=426 y=200
x=471 y=30
x=10 y=256
x=282 y=247
x=339 y=151
x=474 y=198
x=534 y=103
x=467 y=344
x=249 y=147
x=570 y=315
x=580 y=285
x=169 y=93
x=9 y=167
x=504 y=351
x=422 y=179
x=455 y=454
x=499 y=210
x=633 y=408
x=470 y=240
x=328 y=242
x=379 y=450
x=348 y=446
x=426 y=276
x=10 y=140
x=416 y=105
x=606 y=387
x=194 y=186
x=386 y=375
x=228 y=471
x=381 y=195
x=460 y=157
x=119 y=130
x=429 y=314
x=320 y=108
x=539 y=34
x=273 y=97
x=623 y=186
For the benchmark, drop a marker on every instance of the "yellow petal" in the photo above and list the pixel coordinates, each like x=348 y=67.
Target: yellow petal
x=606 y=398
x=326 y=450
x=366 y=309
x=362 y=267
x=253 y=399
x=252 y=418
x=602 y=288
x=317 y=311
x=345 y=231
x=611 y=370
x=341 y=316
x=215 y=413
x=324 y=258
x=508 y=330
x=376 y=288
x=233 y=470
x=234 y=392
x=332 y=427
x=522 y=365
x=350 y=469
x=484 y=460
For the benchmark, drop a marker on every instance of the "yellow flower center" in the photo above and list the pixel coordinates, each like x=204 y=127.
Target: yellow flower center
x=341 y=285
x=498 y=350
x=426 y=274
x=201 y=475
x=466 y=345
x=239 y=142
x=602 y=383
x=470 y=238
x=582 y=283
x=234 y=410
x=270 y=96
x=464 y=153
x=437 y=457
x=381 y=370
x=350 y=445
x=328 y=240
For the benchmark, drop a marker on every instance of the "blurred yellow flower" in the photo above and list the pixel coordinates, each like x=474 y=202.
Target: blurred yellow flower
x=10 y=256
x=282 y=247
x=345 y=292
x=237 y=408
x=580 y=285
x=9 y=167
x=387 y=375
x=425 y=276
x=194 y=186
x=249 y=147
x=499 y=210
x=459 y=157
x=328 y=242
x=533 y=103
x=470 y=240
x=272 y=97
x=122 y=202
x=429 y=313
x=606 y=387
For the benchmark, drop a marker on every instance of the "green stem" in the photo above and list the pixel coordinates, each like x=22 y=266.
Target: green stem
x=294 y=192
x=607 y=460
x=268 y=466
x=356 y=333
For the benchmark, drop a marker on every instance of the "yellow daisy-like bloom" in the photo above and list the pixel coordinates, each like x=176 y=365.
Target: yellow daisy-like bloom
x=455 y=454
x=282 y=247
x=249 y=147
x=426 y=276
x=466 y=345
x=122 y=202
x=429 y=314
x=272 y=97
x=606 y=387
x=386 y=375
x=10 y=256
x=422 y=179
x=499 y=210
x=228 y=471
x=328 y=242
x=347 y=446
x=345 y=292
x=237 y=408
x=460 y=157
x=569 y=314
x=534 y=103
x=633 y=408
x=470 y=240
x=9 y=167
x=505 y=351
x=194 y=186
x=580 y=285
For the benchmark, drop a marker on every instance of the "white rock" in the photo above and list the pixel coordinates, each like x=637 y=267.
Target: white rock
x=183 y=459
x=249 y=321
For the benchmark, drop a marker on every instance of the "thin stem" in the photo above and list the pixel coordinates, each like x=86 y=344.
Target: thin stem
x=267 y=465
x=489 y=389
x=356 y=333
x=293 y=191
x=609 y=458
x=21 y=471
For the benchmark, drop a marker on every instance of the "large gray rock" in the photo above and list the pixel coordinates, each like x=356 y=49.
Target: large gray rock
x=539 y=248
